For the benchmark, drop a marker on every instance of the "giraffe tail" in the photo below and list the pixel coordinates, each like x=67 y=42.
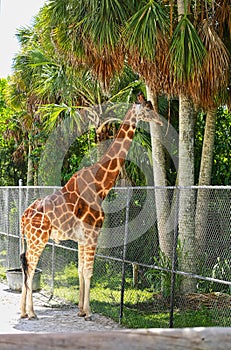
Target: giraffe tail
x=22 y=235
x=23 y=256
x=24 y=267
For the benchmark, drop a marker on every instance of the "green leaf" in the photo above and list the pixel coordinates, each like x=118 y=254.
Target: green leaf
x=187 y=50
x=103 y=25
x=142 y=28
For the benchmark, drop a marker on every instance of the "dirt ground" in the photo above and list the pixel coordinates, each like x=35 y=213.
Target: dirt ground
x=50 y=318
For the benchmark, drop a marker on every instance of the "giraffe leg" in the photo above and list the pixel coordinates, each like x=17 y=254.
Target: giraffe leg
x=29 y=296
x=27 y=309
x=81 y=313
x=86 y=261
x=87 y=281
x=89 y=254
x=29 y=264
x=23 y=295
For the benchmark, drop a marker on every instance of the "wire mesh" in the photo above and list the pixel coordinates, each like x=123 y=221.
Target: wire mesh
x=159 y=263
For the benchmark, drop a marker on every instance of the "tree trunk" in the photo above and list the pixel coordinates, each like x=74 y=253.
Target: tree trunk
x=207 y=150
x=165 y=229
x=187 y=195
x=181 y=7
x=204 y=180
x=161 y=194
x=29 y=180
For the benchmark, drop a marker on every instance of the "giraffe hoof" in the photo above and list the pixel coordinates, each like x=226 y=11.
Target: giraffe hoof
x=88 y=318
x=32 y=318
x=23 y=316
x=81 y=314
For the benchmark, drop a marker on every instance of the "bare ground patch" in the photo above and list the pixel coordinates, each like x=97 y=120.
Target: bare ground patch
x=53 y=317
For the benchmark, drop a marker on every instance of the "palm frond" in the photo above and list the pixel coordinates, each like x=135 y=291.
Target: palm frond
x=103 y=24
x=214 y=76
x=53 y=115
x=142 y=28
x=37 y=59
x=155 y=73
x=187 y=51
x=223 y=17
x=104 y=64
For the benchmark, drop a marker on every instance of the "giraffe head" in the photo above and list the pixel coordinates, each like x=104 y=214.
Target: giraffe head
x=144 y=112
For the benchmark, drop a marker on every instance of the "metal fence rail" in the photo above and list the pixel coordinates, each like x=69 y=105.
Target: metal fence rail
x=144 y=264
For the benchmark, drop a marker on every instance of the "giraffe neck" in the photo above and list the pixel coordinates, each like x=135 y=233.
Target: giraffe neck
x=110 y=164
x=94 y=182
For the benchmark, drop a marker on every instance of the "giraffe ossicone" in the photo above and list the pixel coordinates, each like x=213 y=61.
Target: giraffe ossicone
x=75 y=213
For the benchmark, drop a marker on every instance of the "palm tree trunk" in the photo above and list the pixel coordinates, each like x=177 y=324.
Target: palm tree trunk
x=187 y=195
x=207 y=150
x=165 y=229
x=29 y=180
x=204 y=180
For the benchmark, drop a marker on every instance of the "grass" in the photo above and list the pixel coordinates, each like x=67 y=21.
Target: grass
x=142 y=308
x=2 y=273
x=106 y=302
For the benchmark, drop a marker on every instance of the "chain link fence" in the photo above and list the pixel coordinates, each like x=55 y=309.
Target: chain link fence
x=163 y=257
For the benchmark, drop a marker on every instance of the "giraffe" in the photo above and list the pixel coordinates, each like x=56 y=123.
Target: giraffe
x=75 y=213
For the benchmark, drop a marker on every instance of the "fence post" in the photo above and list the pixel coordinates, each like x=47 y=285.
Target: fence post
x=52 y=270
x=124 y=255
x=174 y=260
x=7 y=227
x=20 y=183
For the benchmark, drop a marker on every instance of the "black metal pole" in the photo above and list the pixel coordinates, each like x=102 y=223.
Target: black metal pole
x=124 y=257
x=52 y=272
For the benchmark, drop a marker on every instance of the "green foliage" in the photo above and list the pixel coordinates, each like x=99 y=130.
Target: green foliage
x=11 y=166
x=191 y=318
x=68 y=276
x=139 y=170
x=195 y=318
x=143 y=27
x=2 y=273
x=221 y=271
x=221 y=173
x=2 y=268
x=199 y=135
x=142 y=307
x=79 y=155
x=68 y=46
x=161 y=279
x=105 y=31
x=187 y=50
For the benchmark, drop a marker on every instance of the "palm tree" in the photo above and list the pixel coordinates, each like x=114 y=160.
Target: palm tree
x=186 y=139
x=25 y=103
x=214 y=92
x=61 y=89
x=147 y=34
x=37 y=79
x=188 y=73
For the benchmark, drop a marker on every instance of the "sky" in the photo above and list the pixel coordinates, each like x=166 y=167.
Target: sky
x=13 y=15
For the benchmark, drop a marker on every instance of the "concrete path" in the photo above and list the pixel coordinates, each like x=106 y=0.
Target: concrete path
x=50 y=319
